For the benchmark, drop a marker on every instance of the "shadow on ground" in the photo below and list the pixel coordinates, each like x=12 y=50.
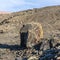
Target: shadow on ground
x=11 y=47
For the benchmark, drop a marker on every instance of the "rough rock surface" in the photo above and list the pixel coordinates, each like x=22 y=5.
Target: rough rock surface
x=35 y=33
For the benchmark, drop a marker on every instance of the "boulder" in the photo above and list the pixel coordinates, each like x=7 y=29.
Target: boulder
x=35 y=33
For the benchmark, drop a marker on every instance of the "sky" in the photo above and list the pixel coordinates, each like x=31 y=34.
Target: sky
x=19 y=5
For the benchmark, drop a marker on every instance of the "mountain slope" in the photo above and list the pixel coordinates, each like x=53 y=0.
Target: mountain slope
x=10 y=25
x=49 y=17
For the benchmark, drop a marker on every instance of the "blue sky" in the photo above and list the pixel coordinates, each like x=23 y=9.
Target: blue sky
x=18 y=5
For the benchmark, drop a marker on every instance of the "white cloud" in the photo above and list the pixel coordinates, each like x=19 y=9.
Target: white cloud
x=18 y=2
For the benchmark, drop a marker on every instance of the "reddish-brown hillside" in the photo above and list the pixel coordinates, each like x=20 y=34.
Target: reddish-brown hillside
x=4 y=12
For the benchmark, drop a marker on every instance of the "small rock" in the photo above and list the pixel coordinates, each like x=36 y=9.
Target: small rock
x=1 y=31
x=33 y=58
x=18 y=58
x=24 y=59
x=58 y=58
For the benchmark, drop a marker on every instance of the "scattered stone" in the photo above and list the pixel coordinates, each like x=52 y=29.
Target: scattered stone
x=33 y=58
x=58 y=58
x=24 y=59
x=18 y=58
x=1 y=31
